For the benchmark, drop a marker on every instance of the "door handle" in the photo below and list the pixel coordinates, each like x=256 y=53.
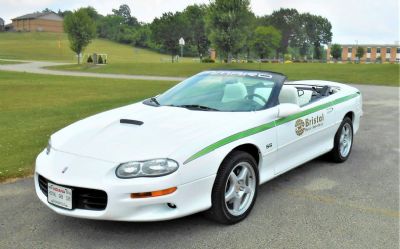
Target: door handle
x=329 y=110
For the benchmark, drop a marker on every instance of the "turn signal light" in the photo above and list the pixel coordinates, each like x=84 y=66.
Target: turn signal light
x=154 y=193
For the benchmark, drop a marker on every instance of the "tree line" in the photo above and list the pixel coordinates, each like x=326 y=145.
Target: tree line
x=229 y=26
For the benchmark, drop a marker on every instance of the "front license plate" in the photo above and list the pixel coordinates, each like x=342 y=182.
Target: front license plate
x=59 y=196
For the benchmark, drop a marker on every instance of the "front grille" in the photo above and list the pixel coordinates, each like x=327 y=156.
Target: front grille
x=82 y=198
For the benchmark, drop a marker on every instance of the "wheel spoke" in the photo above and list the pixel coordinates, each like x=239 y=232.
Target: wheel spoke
x=243 y=174
x=341 y=138
x=236 y=203
x=230 y=194
x=347 y=132
x=233 y=178
x=248 y=190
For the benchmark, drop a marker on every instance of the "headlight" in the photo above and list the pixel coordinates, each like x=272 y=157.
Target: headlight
x=48 y=148
x=149 y=168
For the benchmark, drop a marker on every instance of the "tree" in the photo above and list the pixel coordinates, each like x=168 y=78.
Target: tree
x=315 y=31
x=287 y=22
x=167 y=30
x=360 y=53
x=81 y=30
x=227 y=22
x=266 y=39
x=336 y=51
x=125 y=12
x=196 y=29
x=47 y=10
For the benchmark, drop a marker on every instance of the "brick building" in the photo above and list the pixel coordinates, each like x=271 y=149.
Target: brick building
x=48 y=21
x=373 y=53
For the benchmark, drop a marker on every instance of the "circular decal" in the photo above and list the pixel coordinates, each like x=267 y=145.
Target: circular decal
x=300 y=125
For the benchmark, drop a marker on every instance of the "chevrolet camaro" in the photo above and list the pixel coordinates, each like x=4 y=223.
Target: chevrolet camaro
x=206 y=144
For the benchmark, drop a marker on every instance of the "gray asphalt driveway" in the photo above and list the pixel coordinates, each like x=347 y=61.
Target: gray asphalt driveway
x=317 y=205
x=38 y=67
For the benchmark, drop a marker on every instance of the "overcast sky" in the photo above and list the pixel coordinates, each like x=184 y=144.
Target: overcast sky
x=367 y=21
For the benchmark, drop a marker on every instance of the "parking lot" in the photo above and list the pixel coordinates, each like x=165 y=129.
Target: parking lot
x=318 y=205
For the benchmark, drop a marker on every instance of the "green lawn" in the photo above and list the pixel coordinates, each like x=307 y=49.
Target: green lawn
x=381 y=74
x=45 y=46
x=34 y=106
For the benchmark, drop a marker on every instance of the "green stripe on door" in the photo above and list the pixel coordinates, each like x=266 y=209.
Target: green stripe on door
x=266 y=126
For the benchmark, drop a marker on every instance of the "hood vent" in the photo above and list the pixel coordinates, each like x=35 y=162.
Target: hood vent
x=130 y=121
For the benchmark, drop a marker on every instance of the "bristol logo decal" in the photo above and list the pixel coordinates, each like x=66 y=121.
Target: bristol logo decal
x=307 y=124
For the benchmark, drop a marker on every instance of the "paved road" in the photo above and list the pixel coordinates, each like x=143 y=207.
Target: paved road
x=318 y=205
x=38 y=68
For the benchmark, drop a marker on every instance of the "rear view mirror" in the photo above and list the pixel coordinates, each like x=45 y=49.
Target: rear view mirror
x=287 y=109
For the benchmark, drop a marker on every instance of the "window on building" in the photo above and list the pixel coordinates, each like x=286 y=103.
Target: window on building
x=349 y=50
x=387 y=59
x=388 y=50
x=368 y=50
x=398 y=50
x=368 y=59
x=378 y=50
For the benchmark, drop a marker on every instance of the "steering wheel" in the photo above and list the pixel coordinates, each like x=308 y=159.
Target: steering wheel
x=248 y=96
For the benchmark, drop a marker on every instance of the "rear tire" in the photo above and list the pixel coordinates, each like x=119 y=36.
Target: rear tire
x=235 y=188
x=343 y=141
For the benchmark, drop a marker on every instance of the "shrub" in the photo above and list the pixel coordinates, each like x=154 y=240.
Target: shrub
x=90 y=59
x=100 y=60
x=208 y=60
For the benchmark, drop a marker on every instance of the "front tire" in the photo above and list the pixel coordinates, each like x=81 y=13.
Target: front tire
x=235 y=188
x=343 y=142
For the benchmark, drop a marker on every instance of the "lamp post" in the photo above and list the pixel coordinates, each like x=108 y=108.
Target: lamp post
x=181 y=44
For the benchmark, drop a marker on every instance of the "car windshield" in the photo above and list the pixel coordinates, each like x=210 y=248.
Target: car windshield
x=222 y=91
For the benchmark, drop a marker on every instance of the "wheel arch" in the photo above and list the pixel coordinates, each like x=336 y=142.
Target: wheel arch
x=351 y=115
x=250 y=148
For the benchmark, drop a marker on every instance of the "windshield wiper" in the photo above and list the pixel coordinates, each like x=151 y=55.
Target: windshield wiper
x=154 y=100
x=197 y=107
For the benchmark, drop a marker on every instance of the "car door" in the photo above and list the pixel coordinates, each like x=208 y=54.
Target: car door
x=303 y=136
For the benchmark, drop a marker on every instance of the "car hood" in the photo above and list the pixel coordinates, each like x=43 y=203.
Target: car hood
x=164 y=130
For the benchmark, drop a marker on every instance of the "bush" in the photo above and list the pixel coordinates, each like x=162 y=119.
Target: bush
x=89 y=59
x=100 y=60
x=207 y=60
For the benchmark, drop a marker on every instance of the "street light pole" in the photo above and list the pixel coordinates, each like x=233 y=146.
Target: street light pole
x=181 y=44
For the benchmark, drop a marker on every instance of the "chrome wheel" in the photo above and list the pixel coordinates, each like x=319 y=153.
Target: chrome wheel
x=240 y=188
x=346 y=139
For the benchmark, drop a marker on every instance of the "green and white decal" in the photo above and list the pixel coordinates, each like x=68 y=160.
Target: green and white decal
x=266 y=126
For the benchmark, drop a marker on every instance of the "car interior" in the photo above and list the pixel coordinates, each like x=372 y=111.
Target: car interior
x=302 y=95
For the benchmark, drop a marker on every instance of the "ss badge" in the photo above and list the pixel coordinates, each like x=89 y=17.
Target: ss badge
x=268 y=146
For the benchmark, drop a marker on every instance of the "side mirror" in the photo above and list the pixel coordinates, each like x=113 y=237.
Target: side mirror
x=287 y=109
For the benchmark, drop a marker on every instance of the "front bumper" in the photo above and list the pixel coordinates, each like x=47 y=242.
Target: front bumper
x=189 y=198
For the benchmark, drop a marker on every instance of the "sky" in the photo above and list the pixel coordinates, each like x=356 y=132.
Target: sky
x=353 y=21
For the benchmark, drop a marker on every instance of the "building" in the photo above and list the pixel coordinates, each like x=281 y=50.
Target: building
x=2 y=26
x=373 y=53
x=47 y=21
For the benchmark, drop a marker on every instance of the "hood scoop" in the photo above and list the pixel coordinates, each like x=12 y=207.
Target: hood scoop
x=130 y=121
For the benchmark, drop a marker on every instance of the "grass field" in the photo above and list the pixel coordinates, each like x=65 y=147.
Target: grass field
x=45 y=46
x=381 y=74
x=34 y=106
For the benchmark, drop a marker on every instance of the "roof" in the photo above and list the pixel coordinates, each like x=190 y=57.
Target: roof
x=39 y=15
x=370 y=45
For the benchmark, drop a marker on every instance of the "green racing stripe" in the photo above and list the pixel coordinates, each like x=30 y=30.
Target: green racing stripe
x=267 y=126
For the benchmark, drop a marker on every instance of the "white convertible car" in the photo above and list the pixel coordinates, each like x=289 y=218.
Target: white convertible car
x=204 y=145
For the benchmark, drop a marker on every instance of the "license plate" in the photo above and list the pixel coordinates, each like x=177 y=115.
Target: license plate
x=59 y=196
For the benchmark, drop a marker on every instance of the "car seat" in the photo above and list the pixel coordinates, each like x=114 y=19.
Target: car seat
x=289 y=94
